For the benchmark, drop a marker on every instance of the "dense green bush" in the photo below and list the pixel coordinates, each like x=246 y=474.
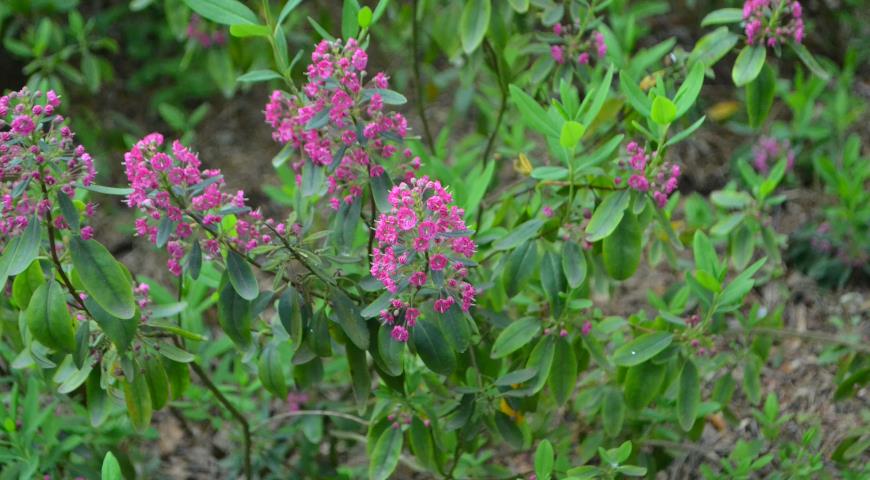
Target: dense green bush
x=520 y=284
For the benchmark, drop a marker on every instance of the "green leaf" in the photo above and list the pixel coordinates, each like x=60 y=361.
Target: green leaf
x=544 y=459
x=752 y=379
x=642 y=384
x=245 y=30
x=723 y=16
x=713 y=46
x=549 y=173
x=389 y=97
x=622 y=249
x=103 y=277
x=635 y=96
x=515 y=336
x=48 y=319
x=290 y=314
x=571 y=134
x=176 y=354
x=663 y=110
x=120 y=331
x=520 y=266
x=473 y=23
x=270 y=369
x=422 y=444
x=810 y=61
x=563 y=373
x=364 y=17
x=20 y=252
x=433 y=348
x=385 y=456
x=262 y=76
x=684 y=134
x=97 y=398
x=602 y=91
x=286 y=10
x=730 y=199
x=748 y=64
x=235 y=316
x=688 y=396
x=225 y=12
x=111 y=469
x=138 y=400
x=106 y=190
x=552 y=282
x=390 y=351
x=320 y=30
x=515 y=377
x=158 y=382
x=68 y=210
x=509 y=430
x=541 y=359
x=573 y=264
x=349 y=21
x=641 y=348
x=607 y=215
x=689 y=90
x=348 y=317
x=179 y=376
x=361 y=380
x=520 y=6
x=456 y=328
x=759 y=96
x=26 y=283
x=612 y=411
x=518 y=235
x=705 y=254
x=533 y=114
x=242 y=276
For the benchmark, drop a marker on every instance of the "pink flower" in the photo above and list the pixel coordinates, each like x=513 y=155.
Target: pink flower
x=586 y=328
x=547 y=211
x=407 y=218
x=639 y=183
x=23 y=125
x=438 y=262
x=399 y=334
x=558 y=54
x=418 y=279
x=87 y=232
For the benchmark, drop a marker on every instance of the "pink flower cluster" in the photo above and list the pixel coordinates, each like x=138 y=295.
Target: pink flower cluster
x=338 y=120
x=662 y=180
x=572 y=45
x=178 y=198
x=198 y=32
x=423 y=243
x=768 y=150
x=769 y=22
x=37 y=149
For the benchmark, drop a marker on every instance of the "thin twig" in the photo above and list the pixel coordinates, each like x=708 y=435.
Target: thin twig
x=320 y=413
x=246 y=429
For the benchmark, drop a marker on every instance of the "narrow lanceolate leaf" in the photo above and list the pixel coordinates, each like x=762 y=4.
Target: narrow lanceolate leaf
x=20 y=252
x=518 y=235
x=456 y=329
x=541 y=359
x=158 y=382
x=120 y=331
x=544 y=459
x=612 y=411
x=103 y=277
x=225 y=12
x=97 y=398
x=688 y=396
x=234 y=316
x=348 y=317
x=515 y=336
x=359 y=374
x=385 y=456
x=242 y=276
x=642 y=348
x=271 y=372
x=433 y=348
x=48 y=318
x=563 y=373
x=390 y=351
x=642 y=384
x=520 y=266
x=138 y=400
x=290 y=314
x=473 y=23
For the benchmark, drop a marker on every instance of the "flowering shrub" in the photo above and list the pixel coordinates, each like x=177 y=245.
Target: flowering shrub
x=483 y=330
